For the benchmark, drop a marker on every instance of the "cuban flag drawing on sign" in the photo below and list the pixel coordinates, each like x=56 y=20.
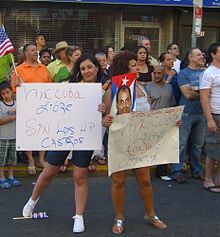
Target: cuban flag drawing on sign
x=117 y=81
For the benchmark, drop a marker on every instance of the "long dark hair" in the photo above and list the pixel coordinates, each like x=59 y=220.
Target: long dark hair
x=147 y=53
x=106 y=48
x=121 y=62
x=77 y=76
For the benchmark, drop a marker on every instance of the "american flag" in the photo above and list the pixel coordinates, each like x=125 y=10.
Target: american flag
x=5 y=43
x=117 y=81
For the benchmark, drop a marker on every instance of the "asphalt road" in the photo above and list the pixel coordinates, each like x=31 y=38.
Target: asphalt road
x=187 y=209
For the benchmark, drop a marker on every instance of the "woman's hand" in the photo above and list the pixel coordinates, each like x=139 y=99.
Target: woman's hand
x=171 y=74
x=106 y=85
x=101 y=108
x=179 y=123
x=107 y=120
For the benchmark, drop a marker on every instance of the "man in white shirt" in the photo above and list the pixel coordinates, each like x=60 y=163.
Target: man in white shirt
x=210 y=100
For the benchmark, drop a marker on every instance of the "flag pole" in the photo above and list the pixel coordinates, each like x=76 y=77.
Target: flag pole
x=13 y=62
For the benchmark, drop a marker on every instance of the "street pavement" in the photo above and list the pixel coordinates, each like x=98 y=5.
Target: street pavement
x=187 y=209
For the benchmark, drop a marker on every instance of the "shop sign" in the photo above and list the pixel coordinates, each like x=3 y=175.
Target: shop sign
x=198 y=16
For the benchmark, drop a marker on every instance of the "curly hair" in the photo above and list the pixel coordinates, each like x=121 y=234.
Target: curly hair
x=147 y=53
x=121 y=62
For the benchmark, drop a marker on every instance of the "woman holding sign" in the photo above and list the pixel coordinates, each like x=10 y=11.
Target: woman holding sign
x=125 y=63
x=86 y=70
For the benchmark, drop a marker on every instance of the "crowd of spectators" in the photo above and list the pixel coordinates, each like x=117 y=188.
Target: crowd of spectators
x=164 y=82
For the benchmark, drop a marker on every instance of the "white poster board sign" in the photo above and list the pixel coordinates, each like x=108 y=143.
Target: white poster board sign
x=141 y=139
x=58 y=116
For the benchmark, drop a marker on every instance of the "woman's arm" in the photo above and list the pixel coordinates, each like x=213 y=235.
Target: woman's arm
x=107 y=101
x=107 y=119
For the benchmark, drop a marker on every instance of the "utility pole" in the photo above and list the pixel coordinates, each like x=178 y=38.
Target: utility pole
x=197 y=21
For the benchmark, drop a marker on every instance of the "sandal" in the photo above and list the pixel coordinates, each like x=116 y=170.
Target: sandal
x=31 y=170
x=100 y=160
x=155 y=221
x=91 y=167
x=118 y=227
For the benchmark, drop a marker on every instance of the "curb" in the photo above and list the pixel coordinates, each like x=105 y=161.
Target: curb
x=21 y=171
x=101 y=170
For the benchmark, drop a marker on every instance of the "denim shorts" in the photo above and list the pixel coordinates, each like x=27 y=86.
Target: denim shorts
x=79 y=158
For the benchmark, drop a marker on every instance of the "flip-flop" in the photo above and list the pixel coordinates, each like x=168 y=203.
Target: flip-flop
x=210 y=189
x=118 y=227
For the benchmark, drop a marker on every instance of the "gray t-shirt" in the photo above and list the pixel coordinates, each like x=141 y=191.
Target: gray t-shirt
x=8 y=130
x=160 y=97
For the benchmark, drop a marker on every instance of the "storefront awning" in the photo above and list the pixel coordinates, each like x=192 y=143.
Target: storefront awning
x=206 y=3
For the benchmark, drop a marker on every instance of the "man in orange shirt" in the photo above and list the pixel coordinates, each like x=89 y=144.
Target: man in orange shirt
x=30 y=71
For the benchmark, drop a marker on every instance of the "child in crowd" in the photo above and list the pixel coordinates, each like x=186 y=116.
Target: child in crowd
x=7 y=135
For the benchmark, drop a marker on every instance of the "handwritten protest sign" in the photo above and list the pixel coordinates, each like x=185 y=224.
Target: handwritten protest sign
x=141 y=139
x=58 y=116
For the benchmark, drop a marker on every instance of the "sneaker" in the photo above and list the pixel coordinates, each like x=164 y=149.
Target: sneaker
x=28 y=209
x=4 y=184
x=78 y=226
x=14 y=182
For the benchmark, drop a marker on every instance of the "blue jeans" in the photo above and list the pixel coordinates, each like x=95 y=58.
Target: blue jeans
x=193 y=128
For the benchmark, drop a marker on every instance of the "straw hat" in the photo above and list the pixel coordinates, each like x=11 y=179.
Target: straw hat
x=60 y=45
